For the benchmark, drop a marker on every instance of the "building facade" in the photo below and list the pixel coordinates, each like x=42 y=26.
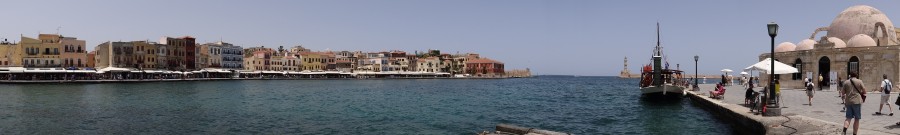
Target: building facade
x=74 y=52
x=183 y=53
x=860 y=39
x=485 y=67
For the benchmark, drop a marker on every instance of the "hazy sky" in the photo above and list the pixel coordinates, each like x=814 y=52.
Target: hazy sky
x=550 y=37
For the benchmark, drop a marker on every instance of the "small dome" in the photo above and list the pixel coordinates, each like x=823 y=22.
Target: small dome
x=785 y=47
x=861 y=40
x=838 y=43
x=806 y=44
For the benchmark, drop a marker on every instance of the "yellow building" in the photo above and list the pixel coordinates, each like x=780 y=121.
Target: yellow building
x=312 y=61
x=41 y=52
x=258 y=60
x=145 y=55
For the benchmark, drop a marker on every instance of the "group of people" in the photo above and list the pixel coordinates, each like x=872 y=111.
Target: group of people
x=853 y=93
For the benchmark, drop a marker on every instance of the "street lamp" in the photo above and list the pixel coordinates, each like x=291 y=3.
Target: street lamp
x=696 y=58
x=773 y=31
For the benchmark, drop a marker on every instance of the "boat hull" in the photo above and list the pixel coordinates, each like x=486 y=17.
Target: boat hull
x=663 y=90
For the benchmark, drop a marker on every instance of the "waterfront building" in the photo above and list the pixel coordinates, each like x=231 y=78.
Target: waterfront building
x=222 y=55
x=231 y=55
x=8 y=54
x=122 y=55
x=312 y=61
x=290 y=62
x=90 y=58
x=145 y=55
x=276 y=62
x=204 y=60
x=430 y=64
x=373 y=62
x=860 y=39
x=398 y=62
x=345 y=61
x=74 y=52
x=42 y=52
x=162 y=55
x=183 y=50
x=458 y=63
x=485 y=67
x=329 y=61
x=259 y=61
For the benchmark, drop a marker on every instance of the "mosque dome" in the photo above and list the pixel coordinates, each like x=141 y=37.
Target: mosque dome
x=861 y=40
x=860 y=19
x=785 y=47
x=838 y=43
x=806 y=44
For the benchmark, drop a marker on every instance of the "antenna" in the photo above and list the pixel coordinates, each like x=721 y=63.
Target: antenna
x=57 y=29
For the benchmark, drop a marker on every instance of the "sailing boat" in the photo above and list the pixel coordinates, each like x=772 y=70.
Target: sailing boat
x=659 y=81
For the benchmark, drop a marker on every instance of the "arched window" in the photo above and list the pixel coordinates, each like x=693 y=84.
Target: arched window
x=853 y=65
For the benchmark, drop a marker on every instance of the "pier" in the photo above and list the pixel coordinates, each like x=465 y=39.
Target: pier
x=823 y=117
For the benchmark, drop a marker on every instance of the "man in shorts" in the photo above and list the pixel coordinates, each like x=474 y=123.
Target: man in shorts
x=886 y=86
x=853 y=91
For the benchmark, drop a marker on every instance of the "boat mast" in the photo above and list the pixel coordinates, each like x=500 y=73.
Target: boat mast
x=658 y=49
x=657 y=64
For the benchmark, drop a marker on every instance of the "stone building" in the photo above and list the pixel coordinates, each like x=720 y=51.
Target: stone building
x=861 y=39
x=182 y=52
x=8 y=54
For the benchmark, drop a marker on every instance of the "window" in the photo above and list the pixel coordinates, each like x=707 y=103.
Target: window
x=853 y=65
x=799 y=65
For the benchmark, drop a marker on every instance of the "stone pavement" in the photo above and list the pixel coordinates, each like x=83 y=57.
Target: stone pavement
x=826 y=106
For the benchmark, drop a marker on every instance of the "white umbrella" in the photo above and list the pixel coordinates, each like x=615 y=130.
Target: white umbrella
x=744 y=73
x=764 y=66
x=727 y=70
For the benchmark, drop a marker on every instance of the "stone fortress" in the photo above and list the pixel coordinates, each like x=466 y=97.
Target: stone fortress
x=861 y=38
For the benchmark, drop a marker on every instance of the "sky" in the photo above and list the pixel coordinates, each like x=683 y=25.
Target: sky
x=573 y=37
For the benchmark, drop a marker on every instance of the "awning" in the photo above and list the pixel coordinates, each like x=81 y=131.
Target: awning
x=113 y=69
x=45 y=70
x=765 y=65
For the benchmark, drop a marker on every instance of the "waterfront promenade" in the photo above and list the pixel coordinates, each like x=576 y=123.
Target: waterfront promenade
x=824 y=117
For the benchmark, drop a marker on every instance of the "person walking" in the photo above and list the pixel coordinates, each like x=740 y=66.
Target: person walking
x=886 y=86
x=853 y=93
x=821 y=82
x=809 y=89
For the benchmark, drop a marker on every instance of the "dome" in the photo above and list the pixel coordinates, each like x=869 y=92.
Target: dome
x=861 y=40
x=806 y=44
x=838 y=43
x=785 y=47
x=859 y=19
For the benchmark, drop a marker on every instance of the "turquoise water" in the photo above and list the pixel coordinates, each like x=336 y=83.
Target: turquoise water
x=580 y=105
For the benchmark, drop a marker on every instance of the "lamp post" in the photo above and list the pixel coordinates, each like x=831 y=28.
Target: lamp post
x=773 y=31
x=696 y=76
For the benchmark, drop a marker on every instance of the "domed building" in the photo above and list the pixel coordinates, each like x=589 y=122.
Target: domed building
x=861 y=39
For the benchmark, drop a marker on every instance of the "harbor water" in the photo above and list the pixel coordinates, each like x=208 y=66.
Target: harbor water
x=579 y=105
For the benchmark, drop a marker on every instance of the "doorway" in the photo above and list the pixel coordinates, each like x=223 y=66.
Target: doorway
x=824 y=69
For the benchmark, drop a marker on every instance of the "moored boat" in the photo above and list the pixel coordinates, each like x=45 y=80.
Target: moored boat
x=659 y=80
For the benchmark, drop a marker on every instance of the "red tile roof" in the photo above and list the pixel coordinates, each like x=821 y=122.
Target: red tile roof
x=483 y=60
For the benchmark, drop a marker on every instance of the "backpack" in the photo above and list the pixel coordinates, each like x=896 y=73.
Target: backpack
x=809 y=86
x=887 y=89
